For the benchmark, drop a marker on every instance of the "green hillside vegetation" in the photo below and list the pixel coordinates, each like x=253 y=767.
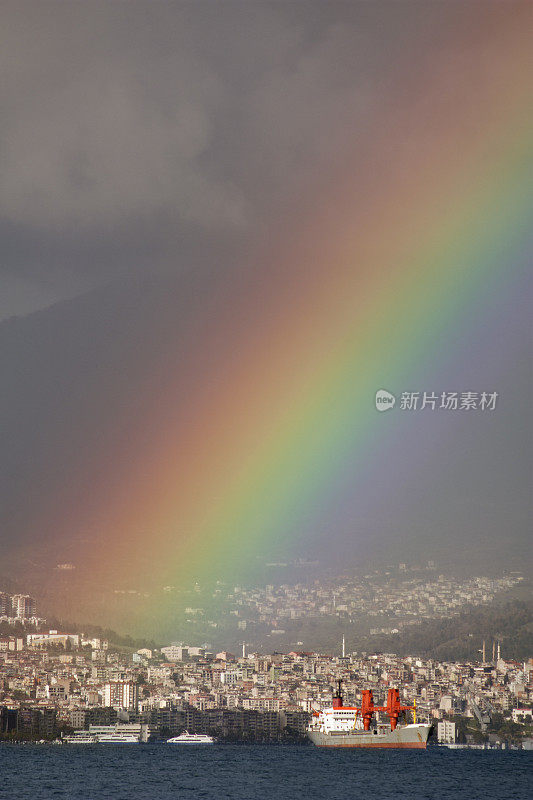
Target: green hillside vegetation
x=453 y=638
x=461 y=637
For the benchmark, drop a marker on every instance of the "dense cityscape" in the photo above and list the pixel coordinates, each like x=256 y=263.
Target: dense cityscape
x=54 y=682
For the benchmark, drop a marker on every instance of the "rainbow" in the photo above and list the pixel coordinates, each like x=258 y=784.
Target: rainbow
x=424 y=229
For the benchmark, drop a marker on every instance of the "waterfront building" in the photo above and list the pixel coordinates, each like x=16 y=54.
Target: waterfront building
x=446 y=733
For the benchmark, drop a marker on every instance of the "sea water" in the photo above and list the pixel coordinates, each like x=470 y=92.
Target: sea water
x=259 y=772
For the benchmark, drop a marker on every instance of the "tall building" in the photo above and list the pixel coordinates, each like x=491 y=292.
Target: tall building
x=121 y=694
x=5 y=604
x=23 y=606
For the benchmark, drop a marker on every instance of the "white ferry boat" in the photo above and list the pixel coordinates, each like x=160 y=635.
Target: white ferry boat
x=125 y=733
x=118 y=737
x=80 y=737
x=191 y=738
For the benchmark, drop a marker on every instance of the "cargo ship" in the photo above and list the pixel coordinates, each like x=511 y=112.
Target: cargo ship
x=356 y=726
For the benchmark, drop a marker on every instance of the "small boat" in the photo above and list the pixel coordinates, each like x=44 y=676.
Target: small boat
x=80 y=737
x=191 y=738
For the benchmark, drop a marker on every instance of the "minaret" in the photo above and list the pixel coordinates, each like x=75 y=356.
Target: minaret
x=493 y=650
x=343 y=648
x=484 y=651
x=499 y=652
x=244 y=649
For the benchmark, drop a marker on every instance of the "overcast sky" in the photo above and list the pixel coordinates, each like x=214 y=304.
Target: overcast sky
x=133 y=130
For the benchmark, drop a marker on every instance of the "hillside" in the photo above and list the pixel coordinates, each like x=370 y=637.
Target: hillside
x=461 y=637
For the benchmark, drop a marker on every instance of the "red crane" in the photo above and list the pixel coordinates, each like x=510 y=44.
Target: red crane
x=394 y=707
x=367 y=708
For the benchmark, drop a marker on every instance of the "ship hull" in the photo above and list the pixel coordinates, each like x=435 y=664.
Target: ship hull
x=409 y=737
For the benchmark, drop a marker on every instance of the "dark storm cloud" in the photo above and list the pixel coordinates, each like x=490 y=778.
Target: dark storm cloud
x=132 y=131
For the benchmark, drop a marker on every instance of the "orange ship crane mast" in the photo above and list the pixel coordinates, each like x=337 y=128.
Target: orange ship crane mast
x=392 y=709
x=367 y=708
